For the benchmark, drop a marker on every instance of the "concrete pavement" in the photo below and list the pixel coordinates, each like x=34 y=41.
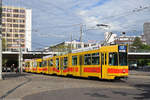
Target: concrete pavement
x=44 y=87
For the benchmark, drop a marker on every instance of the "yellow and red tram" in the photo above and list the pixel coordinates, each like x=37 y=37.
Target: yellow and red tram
x=107 y=62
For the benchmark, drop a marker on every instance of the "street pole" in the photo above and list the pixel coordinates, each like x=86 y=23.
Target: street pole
x=0 y=56
x=20 y=55
x=1 y=40
x=81 y=27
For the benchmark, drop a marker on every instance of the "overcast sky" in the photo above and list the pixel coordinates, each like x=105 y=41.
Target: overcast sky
x=53 y=21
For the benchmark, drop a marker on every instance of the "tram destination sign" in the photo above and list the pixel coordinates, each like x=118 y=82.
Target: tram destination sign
x=122 y=48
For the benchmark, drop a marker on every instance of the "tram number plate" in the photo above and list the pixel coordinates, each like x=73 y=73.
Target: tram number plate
x=122 y=48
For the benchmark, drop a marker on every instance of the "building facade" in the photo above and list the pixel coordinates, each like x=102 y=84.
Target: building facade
x=16 y=28
x=146 y=29
x=68 y=45
x=128 y=39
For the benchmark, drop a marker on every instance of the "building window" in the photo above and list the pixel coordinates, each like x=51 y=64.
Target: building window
x=3 y=25
x=15 y=30
x=9 y=15
x=4 y=9
x=9 y=40
x=22 y=11
x=3 y=30
x=22 y=16
x=22 y=30
x=22 y=26
x=3 y=15
x=16 y=35
x=9 y=20
x=16 y=15
x=9 y=10
x=21 y=35
x=15 y=25
x=8 y=35
x=16 y=10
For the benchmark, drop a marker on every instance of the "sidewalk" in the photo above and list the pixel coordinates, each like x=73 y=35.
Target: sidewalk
x=141 y=73
x=10 y=83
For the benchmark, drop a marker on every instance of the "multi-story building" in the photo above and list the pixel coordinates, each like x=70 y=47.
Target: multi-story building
x=16 y=28
x=68 y=45
x=128 y=39
x=146 y=29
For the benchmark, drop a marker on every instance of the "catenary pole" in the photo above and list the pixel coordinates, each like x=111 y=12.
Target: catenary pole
x=1 y=40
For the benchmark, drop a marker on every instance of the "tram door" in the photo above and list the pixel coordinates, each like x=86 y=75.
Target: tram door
x=102 y=64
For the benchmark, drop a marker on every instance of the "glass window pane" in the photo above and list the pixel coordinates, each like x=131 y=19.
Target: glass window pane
x=65 y=62
x=113 y=59
x=74 y=60
x=57 y=63
x=34 y=64
x=40 y=64
x=123 y=59
x=51 y=62
x=95 y=59
x=87 y=59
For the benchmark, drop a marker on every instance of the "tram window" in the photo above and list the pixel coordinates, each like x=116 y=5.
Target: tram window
x=123 y=58
x=34 y=64
x=113 y=59
x=74 y=60
x=51 y=62
x=27 y=64
x=95 y=59
x=30 y=64
x=57 y=63
x=65 y=62
x=44 y=63
x=40 y=64
x=102 y=58
x=87 y=59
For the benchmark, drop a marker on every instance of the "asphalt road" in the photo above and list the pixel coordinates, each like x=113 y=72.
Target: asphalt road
x=45 y=87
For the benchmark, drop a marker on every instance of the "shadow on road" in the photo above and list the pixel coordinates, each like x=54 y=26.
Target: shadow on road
x=18 y=86
x=145 y=88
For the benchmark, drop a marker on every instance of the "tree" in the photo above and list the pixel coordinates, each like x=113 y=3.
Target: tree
x=3 y=44
x=138 y=45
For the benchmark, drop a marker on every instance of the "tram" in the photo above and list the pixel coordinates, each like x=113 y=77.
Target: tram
x=106 y=62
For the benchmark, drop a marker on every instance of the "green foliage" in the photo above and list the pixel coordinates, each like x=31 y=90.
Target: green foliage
x=3 y=44
x=139 y=46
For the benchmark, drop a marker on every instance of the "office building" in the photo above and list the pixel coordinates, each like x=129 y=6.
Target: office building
x=16 y=28
x=146 y=29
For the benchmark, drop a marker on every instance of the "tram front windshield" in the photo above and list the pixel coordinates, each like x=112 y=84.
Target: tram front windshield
x=123 y=58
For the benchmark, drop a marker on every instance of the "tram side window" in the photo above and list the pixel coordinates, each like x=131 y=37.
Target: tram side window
x=87 y=59
x=113 y=58
x=65 y=64
x=40 y=64
x=44 y=63
x=74 y=60
x=51 y=62
x=95 y=59
x=34 y=64
x=123 y=58
x=30 y=64
x=57 y=63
